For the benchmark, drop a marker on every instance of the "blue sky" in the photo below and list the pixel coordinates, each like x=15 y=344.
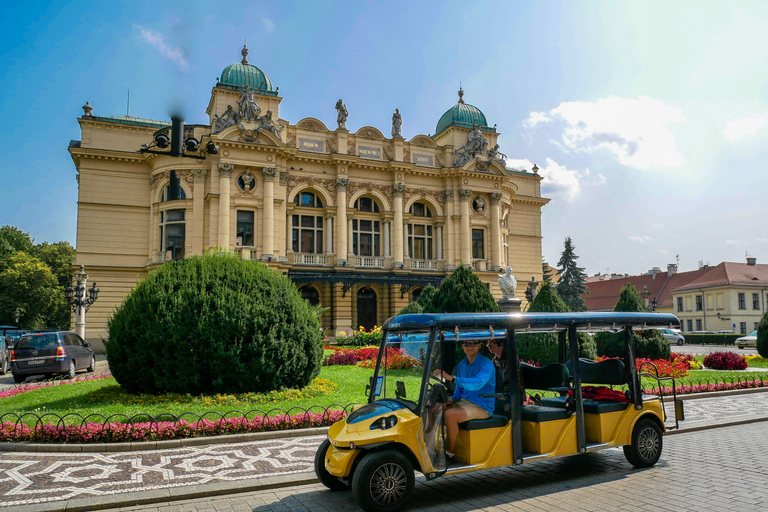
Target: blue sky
x=647 y=119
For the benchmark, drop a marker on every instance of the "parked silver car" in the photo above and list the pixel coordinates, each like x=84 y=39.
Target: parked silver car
x=673 y=337
x=750 y=340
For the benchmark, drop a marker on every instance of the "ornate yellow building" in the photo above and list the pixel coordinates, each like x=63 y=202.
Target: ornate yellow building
x=359 y=221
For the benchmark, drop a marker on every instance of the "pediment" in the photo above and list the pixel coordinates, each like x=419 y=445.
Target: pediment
x=312 y=124
x=250 y=132
x=369 y=132
x=423 y=141
x=480 y=164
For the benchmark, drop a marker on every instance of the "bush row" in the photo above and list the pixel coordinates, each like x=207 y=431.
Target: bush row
x=710 y=339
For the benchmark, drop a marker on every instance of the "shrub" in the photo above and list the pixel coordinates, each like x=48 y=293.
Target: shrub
x=411 y=308
x=725 y=361
x=762 y=336
x=547 y=301
x=214 y=324
x=649 y=344
x=461 y=292
x=543 y=347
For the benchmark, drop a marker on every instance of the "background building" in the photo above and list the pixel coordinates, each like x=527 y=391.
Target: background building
x=727 y=297
x=359 y=221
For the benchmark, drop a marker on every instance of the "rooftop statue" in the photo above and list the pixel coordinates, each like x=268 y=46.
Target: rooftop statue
x=225 y=120
x=267 y=123
x=397 y=123
x=249 y=108
x=341 y=114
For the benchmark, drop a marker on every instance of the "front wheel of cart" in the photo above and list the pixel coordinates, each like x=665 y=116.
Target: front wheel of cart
x=645 y=449
x=383 y=482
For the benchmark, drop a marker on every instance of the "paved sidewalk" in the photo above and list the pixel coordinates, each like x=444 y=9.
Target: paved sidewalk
x=59 y=481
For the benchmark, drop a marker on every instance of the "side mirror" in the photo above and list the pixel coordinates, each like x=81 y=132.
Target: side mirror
x=87 y=344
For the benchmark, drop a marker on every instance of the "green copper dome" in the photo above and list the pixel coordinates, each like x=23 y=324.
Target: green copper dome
x=242 y=74
x=463 y=115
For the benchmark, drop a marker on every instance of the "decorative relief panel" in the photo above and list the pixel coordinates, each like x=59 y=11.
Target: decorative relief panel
x=388 y=154
x=311 y=125
x=311 y=181
x=185 y=175
x=330 y=144
x=406 y=155
x=384 y=190
x=437 y=195
x=424 y=141
x=370 y=134
x=291 y=140
x=350 y=147
x=439 y=160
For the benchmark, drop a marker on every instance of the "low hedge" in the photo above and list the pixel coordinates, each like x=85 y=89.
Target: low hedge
x=710 y=339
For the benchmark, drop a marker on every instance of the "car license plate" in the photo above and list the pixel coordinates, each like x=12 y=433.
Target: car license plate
x=36 y=361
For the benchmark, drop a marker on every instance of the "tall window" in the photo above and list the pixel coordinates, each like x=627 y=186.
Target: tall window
x=742 y=301
x=478 y=247
x=244 y=228
x=366 y=232
x=698 y=324
x=167 y=194
x=307 y=232
x=743 y=327
x=755 y=301
x=420 y=233
x=679 y=303
x=699 y=303
x=172 y=234
x=310 y=294
x=690 y=325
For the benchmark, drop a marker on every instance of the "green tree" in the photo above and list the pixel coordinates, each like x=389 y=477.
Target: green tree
x=572 y=278
x=547 y=301
x=427 y=298
x=462 y=292
x=410 y=308
x=214 y=324
x=630 y=300
x=13 y=240
x=762 y=337
x=59 y=257
x=546 y=270
x=29 y=285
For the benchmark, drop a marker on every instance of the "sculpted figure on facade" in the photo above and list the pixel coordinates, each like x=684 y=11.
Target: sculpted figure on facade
x=507 y=283
x=249 y=108
x=397 y=124
x=341 y=114
x=495 y=154
x=267 y=123
x=225 y=120
x=476 y=144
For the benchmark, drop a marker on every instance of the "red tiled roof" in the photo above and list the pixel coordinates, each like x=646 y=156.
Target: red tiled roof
x=730 y=273
x=603 y=295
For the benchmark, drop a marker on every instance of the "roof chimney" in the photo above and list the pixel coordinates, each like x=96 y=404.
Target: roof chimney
x=752 y=261
x=655 y=271
x=672 y=269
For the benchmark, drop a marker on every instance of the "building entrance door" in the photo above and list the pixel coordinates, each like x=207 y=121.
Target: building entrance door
x=366 y=308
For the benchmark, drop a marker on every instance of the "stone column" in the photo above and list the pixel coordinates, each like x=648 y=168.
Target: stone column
x=495 y=198
x=288 y=230
x=466 y=234
x=397 y=235
x=449 y=231
x=285 y=215
x=198 y=205
x=225 y=171
x=341 y=221
x=329 y=234
x=439 y=239
x=268 y=238
x=406 y=252
x=350 y=245
x=387 y=251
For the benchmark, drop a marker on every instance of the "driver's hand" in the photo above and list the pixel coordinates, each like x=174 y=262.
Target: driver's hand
x=449 y=402
x=442 y=374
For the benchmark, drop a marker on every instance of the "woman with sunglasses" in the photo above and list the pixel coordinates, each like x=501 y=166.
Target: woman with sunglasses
x=475 y=376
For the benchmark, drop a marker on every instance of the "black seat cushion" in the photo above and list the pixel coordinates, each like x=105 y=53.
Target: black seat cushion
x=540 y=413
x=551 y=376
x=590 y=406
x=610 y=371
x=492 y=422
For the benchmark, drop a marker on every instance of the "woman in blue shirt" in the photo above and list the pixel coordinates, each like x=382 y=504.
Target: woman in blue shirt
x=475 y=376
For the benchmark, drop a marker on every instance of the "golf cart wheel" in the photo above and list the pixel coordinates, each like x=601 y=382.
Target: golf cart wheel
x=645 y=449
x=383 y=481
x=327 y=479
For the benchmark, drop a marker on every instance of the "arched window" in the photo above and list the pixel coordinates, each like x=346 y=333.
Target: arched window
x=167 y=195
x=420 y=232
x=310 y=294
x=366 y=229
x=415 y=294
x=307 y=236
x=172 y=234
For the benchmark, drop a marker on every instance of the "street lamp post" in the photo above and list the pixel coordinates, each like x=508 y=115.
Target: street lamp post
x=17 y=315
x=81 y=298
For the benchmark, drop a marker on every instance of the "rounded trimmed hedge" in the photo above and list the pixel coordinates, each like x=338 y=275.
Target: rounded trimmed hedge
x=214 y=324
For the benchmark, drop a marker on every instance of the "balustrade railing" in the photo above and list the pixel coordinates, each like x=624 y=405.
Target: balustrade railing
x=302 y=258
x=369 y=261
x=424 y=264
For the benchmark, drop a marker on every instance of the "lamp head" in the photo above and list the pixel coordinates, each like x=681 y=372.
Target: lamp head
x=162 y=140
x=191 y=144
x=211 y=148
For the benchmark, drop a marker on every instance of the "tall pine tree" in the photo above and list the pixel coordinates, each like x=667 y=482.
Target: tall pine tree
x=572 y=278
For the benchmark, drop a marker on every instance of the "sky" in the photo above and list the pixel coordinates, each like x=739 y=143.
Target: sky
x=648 y=120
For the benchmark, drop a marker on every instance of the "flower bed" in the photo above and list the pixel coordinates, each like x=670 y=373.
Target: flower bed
x=703 y=388
x=725 y=361
x=94 y=432
x=365 y=357
x=30 y=387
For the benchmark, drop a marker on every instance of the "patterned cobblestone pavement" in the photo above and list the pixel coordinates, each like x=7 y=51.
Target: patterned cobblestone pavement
x=56 y=480
x=721 y=469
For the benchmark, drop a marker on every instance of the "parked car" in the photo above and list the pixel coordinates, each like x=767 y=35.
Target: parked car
x=750 y=340
x=5 y=356
x=673 y=337
x=51 y=353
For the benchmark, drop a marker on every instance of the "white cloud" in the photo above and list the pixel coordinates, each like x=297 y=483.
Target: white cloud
x=642 y=239
x=173 y=53
x=535 y=118
x=269 y=24
x=636 y=131
x=732 y=242
x=740 y=128
x=557 y=180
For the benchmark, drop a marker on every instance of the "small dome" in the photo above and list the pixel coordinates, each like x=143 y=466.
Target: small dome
x=463 y=115
x=237 y=76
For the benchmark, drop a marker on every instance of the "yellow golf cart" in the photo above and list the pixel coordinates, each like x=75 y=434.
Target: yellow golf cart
x=376 y=448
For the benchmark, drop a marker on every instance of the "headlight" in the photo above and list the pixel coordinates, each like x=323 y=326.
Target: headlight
x=384 y=423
